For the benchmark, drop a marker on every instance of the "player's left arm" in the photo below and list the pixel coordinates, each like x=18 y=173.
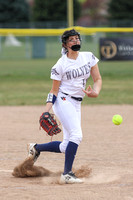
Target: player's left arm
x=97 y=85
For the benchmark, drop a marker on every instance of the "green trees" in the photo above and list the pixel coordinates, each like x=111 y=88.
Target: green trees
x=14 y=11
x=55 y=10
x=121 y=10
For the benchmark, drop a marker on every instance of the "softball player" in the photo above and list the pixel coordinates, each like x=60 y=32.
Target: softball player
x=69 y=75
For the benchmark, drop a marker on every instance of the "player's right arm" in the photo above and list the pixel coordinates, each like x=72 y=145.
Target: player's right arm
x=54 y=90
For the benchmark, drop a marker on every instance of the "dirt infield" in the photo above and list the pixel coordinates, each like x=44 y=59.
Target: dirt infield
x=106 y=149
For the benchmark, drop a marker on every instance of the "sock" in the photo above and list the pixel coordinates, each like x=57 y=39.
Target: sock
x=70 y=156
x=51 y=146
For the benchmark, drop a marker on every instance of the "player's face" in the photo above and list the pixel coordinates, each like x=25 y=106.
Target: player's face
x=72 y=40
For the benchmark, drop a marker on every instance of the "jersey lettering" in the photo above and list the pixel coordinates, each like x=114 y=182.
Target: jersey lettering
x=73 y=74
x=81 y=71
x=54 y=71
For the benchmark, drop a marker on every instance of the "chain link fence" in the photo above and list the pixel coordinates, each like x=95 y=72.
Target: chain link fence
x=27 y=47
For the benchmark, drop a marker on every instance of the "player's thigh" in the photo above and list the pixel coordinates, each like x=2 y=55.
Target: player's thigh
x=68 y=115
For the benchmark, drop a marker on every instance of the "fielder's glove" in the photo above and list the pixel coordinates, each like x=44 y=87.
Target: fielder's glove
x=49 y=124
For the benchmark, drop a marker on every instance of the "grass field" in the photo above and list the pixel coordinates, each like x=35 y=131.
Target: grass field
x=27 y=82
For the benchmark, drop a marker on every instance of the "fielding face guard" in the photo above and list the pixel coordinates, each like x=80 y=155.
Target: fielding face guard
x=66 y=36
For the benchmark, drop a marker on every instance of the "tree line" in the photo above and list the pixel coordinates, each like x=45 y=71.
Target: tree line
x=12 y=11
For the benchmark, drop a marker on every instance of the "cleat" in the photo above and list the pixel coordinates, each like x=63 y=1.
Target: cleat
x=70 y=178
x=32 y=152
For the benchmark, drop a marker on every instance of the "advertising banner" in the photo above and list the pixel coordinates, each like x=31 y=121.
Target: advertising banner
x=116 y=49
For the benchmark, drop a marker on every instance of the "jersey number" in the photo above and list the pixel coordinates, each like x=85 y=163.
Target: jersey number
x=84 y=82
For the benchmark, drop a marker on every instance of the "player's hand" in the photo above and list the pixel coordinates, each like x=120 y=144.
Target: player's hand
x=90 y=92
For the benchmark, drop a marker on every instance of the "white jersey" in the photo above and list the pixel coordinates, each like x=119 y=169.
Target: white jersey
x=73 y=74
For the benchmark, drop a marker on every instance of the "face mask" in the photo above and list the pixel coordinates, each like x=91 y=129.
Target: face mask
x=76 y=47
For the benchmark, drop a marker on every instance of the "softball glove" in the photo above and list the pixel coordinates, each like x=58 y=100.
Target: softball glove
x=49 y=124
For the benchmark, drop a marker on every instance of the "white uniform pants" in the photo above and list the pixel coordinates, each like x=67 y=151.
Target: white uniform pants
x=68 y=112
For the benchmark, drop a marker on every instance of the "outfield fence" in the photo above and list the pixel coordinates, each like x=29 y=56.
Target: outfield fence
x=46 y=43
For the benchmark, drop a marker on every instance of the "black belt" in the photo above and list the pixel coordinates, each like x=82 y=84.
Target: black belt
x=76 y=98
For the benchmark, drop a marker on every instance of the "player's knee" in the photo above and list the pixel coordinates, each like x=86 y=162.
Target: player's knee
x=76 y=136
x=63 y=146
x=76 y=140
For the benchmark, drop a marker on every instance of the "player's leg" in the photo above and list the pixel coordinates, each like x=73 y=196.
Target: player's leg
x=70 y=149
x=72 y=146
x=35 y=149
x=50 y=146
x=68 y=113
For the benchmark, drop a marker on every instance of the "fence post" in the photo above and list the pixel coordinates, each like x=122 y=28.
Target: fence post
x=38 y=47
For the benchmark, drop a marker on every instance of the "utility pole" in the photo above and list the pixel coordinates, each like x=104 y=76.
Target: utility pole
x=70 y=12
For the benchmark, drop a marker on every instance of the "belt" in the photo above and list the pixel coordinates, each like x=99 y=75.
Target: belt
x=76 y=98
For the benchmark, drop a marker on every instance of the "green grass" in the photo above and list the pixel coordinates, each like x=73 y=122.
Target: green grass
x=27 y=82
